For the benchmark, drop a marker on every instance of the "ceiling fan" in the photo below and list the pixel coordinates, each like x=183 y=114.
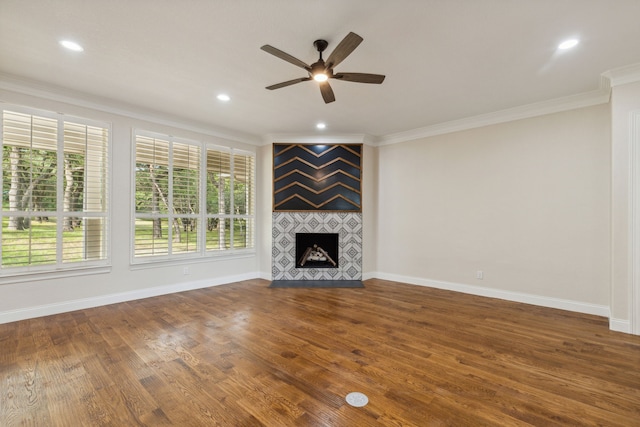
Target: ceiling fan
x=321 y=71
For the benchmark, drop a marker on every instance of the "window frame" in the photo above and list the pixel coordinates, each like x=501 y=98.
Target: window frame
x=60 y=268
x=202 y=253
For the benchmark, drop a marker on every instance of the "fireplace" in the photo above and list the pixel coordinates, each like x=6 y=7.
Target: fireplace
x=348 y=227
x=317 y=250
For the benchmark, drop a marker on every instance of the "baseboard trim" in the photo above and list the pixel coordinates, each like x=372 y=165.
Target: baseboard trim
x=562 y=304
x=620 y=325
x=265 y=276
x=367 y=276
x=84 y=303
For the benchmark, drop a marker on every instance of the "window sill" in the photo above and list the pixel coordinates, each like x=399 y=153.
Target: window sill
x=9 y=278
x=151 y=262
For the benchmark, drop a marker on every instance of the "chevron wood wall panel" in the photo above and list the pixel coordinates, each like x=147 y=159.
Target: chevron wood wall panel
x=317 y=177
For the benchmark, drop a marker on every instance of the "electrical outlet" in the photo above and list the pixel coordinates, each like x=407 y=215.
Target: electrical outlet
x=185 y=271
x=479 y=274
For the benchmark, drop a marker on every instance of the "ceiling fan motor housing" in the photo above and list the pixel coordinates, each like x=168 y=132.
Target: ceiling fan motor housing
x=319 y=68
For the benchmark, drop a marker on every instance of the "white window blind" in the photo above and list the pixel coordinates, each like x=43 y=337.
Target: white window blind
x=173 y=179
x=55 y=182
x=243 y=196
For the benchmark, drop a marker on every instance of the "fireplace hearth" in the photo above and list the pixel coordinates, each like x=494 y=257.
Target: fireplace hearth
x=317 y=250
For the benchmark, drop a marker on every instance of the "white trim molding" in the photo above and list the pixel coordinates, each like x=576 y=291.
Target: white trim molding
x=600 y=96
x=634 y=224
x=265 y=276
x=370 y=275
x=24 y=86
x=572 y=102
x=620 y=325
x=356 y=138
x=623 y=75
x=542 y=301
x=84 y=303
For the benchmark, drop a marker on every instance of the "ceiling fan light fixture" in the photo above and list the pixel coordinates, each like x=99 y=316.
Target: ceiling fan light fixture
x=318 y=71
x=320 y=77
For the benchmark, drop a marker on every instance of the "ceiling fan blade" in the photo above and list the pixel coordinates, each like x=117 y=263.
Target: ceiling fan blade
x=288 y=83
x=283 y=55
x=360 y=77
x=327 y=92
x=344 y=48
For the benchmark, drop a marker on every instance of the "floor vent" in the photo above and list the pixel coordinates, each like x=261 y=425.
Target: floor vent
x=357 y=399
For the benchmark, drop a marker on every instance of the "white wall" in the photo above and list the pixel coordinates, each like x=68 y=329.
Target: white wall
x=46 y=296
x=370 y=163
x=526 y=202
x=265 y=205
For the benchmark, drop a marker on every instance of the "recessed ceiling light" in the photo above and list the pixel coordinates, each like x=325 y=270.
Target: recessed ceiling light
x=71 y=45
x=224 y=97
x=568 y=44
x=321 y=126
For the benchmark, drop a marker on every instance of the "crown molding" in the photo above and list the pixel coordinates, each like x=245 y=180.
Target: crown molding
x=623 y=75
x=357 y=138
x=608 y=79
x=34 y=88
x=587 y=99
x=571 y=102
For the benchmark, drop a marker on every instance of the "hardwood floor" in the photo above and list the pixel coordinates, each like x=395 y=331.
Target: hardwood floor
x=247 y=355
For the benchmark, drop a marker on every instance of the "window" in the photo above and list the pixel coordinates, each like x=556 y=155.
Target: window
x=191 y=199
x=55 y=186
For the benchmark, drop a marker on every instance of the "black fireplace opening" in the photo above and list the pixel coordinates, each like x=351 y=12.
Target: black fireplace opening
x=317 y=250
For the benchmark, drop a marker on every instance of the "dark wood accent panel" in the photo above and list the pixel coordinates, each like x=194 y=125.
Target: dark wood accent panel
x=247 y=355
x=317 y=177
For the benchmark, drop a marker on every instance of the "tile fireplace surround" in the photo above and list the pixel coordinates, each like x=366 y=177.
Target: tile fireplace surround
x=347 y=224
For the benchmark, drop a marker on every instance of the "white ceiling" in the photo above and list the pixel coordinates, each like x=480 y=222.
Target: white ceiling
x=444 y=59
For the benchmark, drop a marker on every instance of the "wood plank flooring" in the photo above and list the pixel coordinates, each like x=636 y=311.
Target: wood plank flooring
x=246 y=355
